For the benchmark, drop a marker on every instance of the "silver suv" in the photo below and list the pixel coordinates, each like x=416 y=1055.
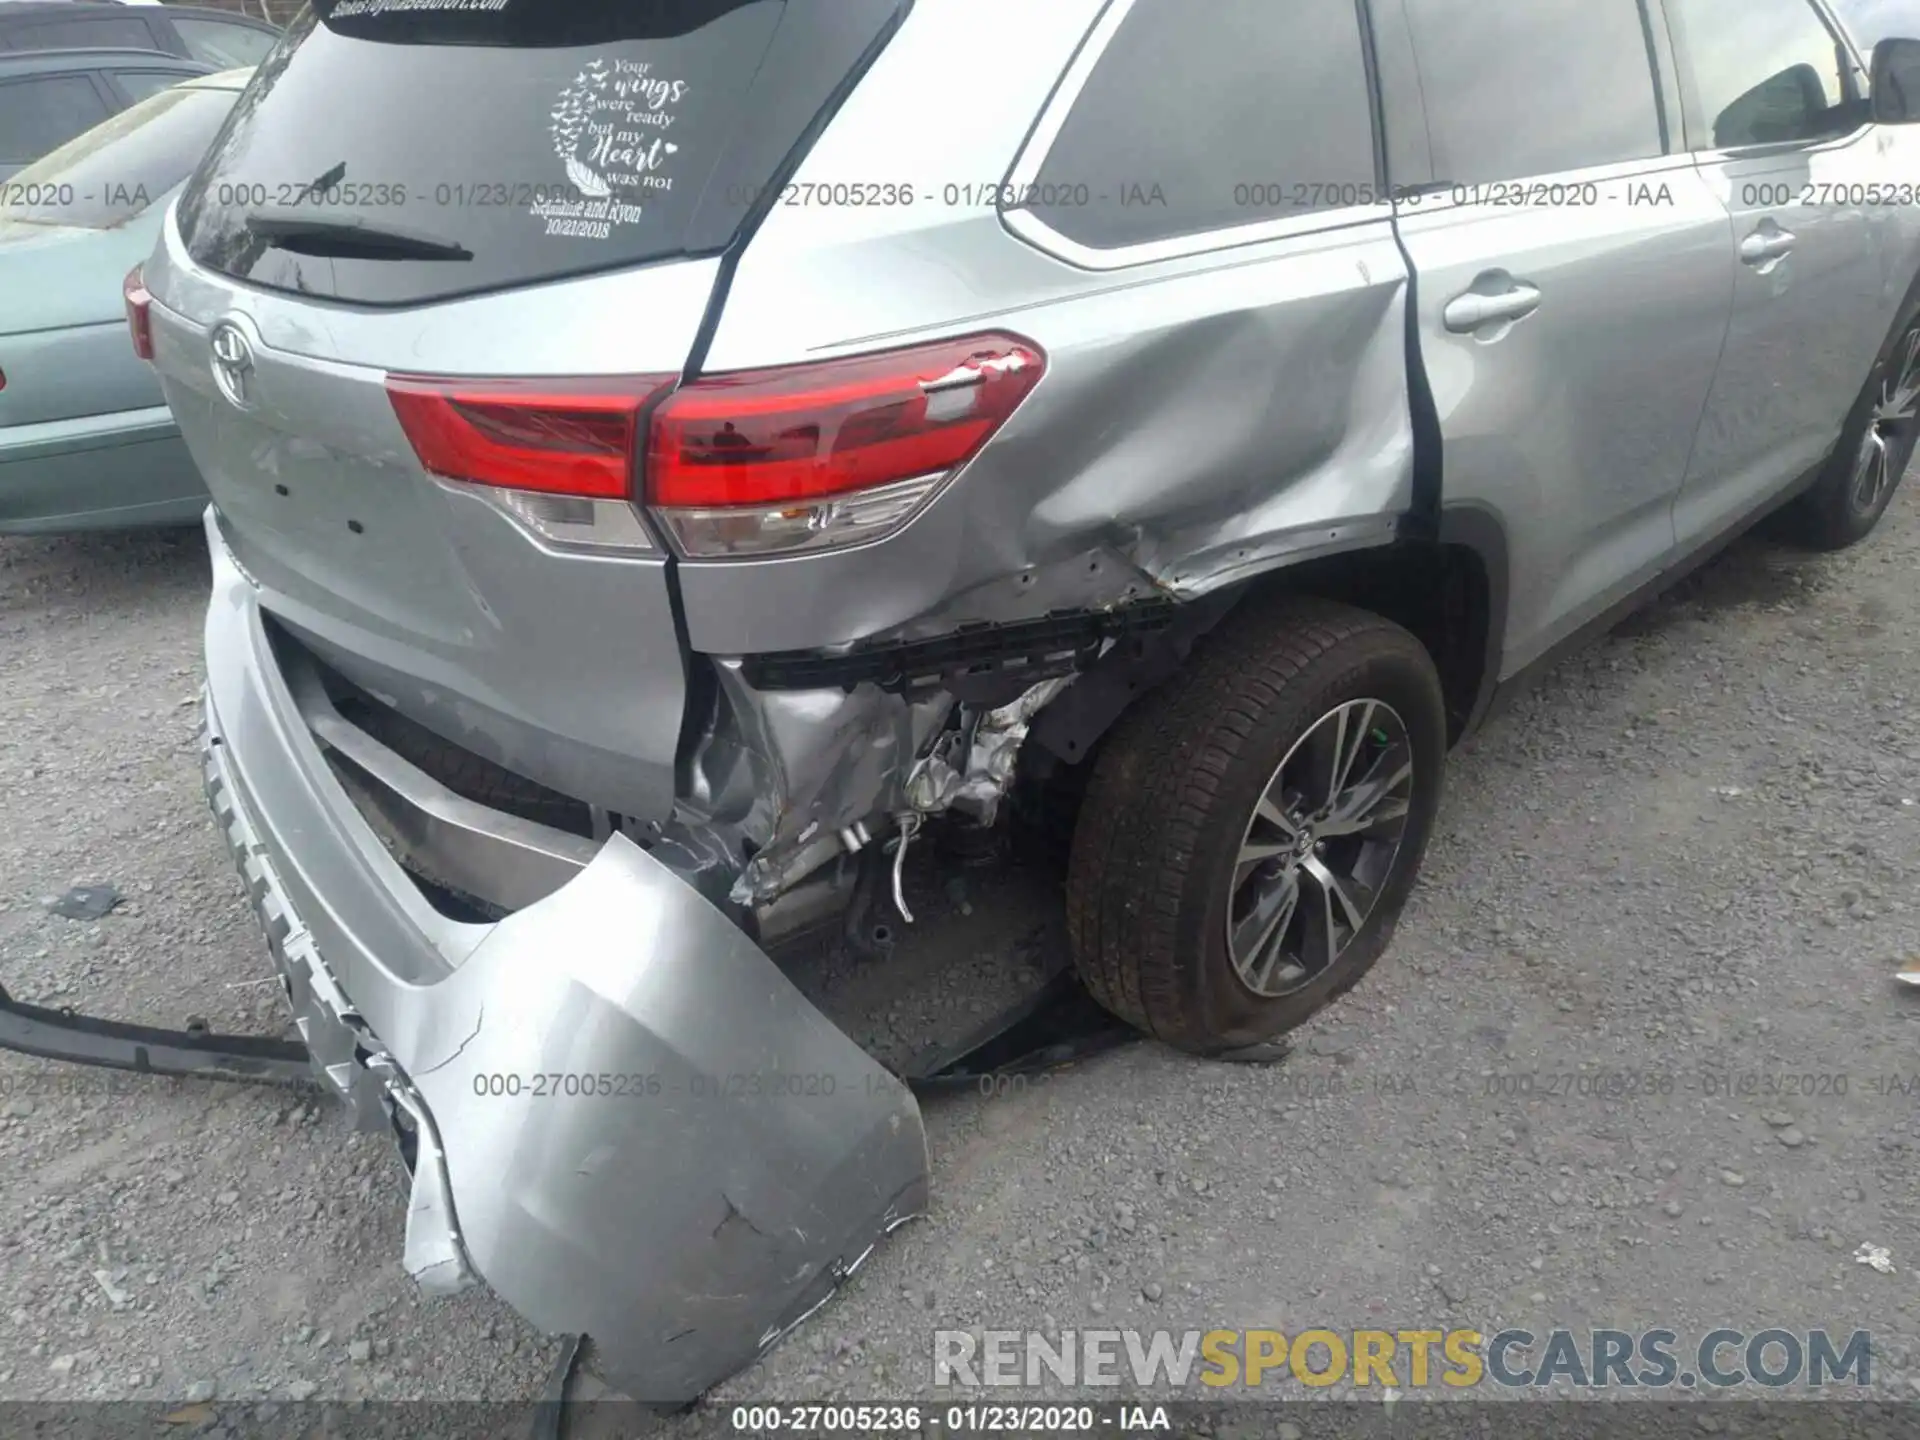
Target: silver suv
x=666 y=457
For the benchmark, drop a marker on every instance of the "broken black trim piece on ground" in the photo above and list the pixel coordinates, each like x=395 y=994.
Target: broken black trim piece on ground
x=1057 y=1025
x=193 y=1053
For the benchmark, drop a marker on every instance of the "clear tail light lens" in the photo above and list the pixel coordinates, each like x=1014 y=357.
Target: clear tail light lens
x=139 y=312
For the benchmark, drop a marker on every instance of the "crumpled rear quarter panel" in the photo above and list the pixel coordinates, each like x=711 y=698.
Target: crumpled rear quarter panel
x=1200 y=418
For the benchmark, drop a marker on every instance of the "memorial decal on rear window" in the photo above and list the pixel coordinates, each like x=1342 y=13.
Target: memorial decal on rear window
x=610 y=129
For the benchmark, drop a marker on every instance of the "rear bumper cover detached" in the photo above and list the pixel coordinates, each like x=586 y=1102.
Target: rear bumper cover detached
x=625 y=1119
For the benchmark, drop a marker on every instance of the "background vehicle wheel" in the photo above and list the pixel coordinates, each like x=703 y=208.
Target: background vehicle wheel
x=1251 y=831
x=1871 y=456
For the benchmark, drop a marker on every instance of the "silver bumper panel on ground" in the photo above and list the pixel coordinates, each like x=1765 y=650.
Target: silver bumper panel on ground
x=625 y=1119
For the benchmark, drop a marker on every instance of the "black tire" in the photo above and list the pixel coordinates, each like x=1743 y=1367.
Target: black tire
x=1832 y=514
x=1174 y=792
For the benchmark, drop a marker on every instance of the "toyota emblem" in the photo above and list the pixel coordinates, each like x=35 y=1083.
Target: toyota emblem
x=232 y=362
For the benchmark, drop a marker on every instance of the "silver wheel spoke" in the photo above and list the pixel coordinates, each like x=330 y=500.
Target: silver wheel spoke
x=1905 y=386
x=1872 y=469
x=1323 y=839
x=1274 y=950
x=1372 y=801
x=1320 y=940
x=1350 y=738
x=1259 y=938
x=1269 y=809
x=1901 y=404
x=1351 y=914
x=1252 y=857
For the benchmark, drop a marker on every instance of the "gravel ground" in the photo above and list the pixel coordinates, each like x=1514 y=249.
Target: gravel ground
x=1687 y=854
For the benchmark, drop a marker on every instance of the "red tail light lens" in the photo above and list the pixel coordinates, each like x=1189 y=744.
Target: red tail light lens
x=764 y=437
x=758 y=462
x=553 y=437
x=139 y=312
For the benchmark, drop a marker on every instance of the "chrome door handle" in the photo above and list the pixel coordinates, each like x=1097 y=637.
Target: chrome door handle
x=1468 y=312
x=1764 y=245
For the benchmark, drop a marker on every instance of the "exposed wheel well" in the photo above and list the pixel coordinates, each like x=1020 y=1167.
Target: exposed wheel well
x=1444 y=593
x=1449 y=594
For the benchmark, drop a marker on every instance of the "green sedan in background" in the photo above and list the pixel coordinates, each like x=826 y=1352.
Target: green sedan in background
x=86 y=442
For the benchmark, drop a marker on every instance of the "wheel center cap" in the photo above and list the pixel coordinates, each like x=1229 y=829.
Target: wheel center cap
x=1303 y=846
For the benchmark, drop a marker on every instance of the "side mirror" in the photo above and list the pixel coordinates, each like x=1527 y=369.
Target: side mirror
x=1896 y=82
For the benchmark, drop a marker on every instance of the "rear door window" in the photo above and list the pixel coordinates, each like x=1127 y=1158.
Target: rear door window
x=390 y=154
x=1210 y=116
x=222 y=45
x=44 y=111
x=120 y=169
x=1520 y=88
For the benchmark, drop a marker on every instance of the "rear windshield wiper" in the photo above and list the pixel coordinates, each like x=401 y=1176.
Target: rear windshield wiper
x=348 y=237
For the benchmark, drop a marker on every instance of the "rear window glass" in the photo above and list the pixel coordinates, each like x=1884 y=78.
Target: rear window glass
x=121 y=168
x=393 y=151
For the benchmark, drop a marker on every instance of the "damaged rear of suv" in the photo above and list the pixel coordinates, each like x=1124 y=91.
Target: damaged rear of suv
x=667 y=456
x=655 y=474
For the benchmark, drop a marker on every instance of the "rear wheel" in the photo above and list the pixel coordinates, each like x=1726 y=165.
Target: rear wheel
x=1872 y=455
x=1252 y=831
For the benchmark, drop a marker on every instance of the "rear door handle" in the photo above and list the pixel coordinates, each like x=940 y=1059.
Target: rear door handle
x=1765 y=244
x=1470 y=311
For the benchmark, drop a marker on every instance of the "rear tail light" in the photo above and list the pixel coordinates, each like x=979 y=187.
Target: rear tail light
x=558 y=437
x=139 y=312
x=757 y=462
x=814 y=456
x=556 y=455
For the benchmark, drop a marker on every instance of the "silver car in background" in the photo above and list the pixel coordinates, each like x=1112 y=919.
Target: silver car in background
x=664 y=459
x=86 y=440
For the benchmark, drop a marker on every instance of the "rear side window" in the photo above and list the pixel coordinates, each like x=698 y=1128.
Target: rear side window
x=113 y=32
x=1518 y=88
x=1761 y=72
x=223 y=46
x=388 y=154
x=47 y=110
x=122 y=168
x=1207 y=116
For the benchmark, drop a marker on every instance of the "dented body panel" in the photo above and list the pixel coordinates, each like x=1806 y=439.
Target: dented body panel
x=1202 y=418
x=620 y=1113
x=626 y=1120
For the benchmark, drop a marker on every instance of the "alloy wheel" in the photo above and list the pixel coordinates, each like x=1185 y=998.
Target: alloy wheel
x=1891 y=430
x=1319 y=848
